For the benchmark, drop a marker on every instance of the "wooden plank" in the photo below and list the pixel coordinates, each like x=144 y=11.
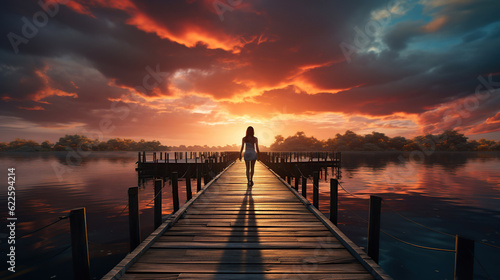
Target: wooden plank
x=283 y=234
x=245 y=268
x=238 y=238
x=245 y=245
x=255 y=276
x=312 y=256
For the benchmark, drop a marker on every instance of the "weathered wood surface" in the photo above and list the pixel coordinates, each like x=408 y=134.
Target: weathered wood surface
x=235 y=232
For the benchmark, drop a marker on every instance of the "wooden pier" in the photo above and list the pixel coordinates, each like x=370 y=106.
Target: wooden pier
x=230 y=231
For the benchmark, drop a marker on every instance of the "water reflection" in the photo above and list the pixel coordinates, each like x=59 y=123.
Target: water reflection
x=457 y=193
x=99 y=183
x=450 y=192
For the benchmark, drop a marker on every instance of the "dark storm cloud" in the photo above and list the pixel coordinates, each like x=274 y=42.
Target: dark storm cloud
x=90 y=53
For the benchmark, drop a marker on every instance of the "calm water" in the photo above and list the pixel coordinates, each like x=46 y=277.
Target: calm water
x=456 y=193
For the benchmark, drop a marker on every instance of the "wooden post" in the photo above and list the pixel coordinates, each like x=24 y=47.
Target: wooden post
x=79 y=244
x=316 y=189
x=175 y=190
x=205 y=177
x=133 y=218
x=297 y=179
x=289 y=179
x=334 y=200
x=464 y=258
x=198 y=178
x=189 y=192
x=158 y=207
x=304 y=187
x=139 y=158
x=372 y=247
x=143 y=156
x=168 y=157
x=186 y=157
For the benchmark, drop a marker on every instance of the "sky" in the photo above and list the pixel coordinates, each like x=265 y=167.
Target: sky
x=200 y=72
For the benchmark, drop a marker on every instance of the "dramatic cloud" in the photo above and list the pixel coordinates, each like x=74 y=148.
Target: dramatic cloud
x=198 y=72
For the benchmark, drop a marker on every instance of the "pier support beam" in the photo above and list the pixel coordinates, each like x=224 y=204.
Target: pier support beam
x=79 y=244
x=464 y=258
x=175 y=190
x=372 y=248
x=133 y=218
x=334 y=200
x=304 y=187
x=158 y=206
x=316 y=189
x=189 y=192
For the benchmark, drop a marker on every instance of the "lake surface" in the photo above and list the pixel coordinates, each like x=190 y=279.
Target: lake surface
x=454 y=193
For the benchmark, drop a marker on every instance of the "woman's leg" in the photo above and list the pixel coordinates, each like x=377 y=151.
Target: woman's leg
x=247 y=163
x=252 y=169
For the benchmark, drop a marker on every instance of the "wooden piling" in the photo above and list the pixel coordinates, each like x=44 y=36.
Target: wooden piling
x=139 y=157
x=79 y=244
x=297 y=179
x=158 y=204
x=304 y=187
x=198 y=179
x=464 y=258
x=175 y=190
x=334 y=200
x=316 y=189
x=189 y=192
x=373 y=245
x=134 y=218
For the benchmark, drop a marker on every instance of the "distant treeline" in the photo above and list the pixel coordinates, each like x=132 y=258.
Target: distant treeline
x=450 y=140
x=80 y=142
x=83 y=143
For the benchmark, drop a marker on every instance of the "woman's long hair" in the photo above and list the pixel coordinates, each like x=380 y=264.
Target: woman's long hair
x=250 y=134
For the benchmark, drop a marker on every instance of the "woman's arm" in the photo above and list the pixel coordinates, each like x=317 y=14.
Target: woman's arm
x=242 y=144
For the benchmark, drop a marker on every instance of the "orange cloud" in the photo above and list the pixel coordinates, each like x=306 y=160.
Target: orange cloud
x=190 y=35
x=47 y=90
x=436 y=24
x=35 y=108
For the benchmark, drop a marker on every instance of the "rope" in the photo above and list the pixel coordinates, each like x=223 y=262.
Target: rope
x=308 y=178
x=124 y=208
x=480 y=265
x=415 y=245
x=349 y=193
x=417 y=223
x=46 y=226
x=184 y=176
x=487 y=244
x=157 y=194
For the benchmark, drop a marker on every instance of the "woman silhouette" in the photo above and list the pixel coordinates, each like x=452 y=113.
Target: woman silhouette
x=252 y=145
